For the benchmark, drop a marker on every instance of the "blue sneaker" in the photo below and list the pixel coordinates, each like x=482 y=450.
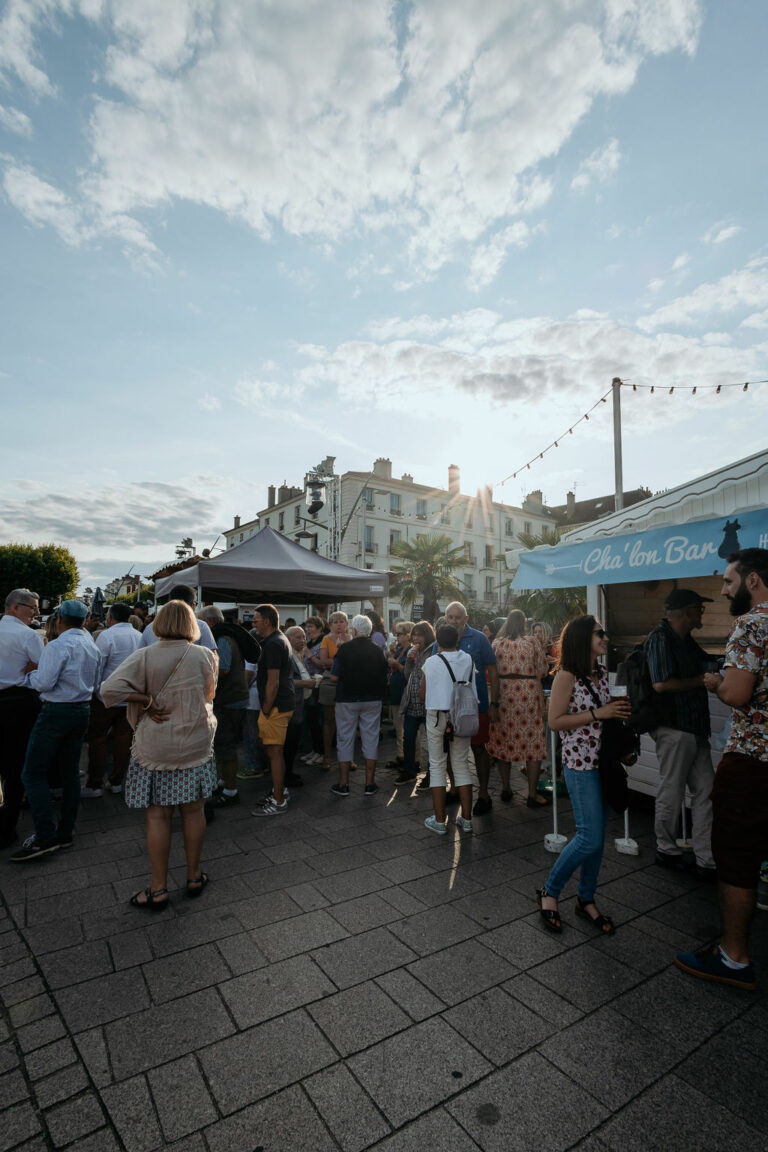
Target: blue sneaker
x=708 y=964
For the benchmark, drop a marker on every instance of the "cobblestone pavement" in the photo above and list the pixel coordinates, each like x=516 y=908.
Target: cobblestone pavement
x=349 y=980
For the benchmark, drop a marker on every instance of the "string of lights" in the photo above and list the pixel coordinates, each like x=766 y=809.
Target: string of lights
x=652 y=388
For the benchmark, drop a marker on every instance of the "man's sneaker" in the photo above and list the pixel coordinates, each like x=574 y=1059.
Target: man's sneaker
x=464 y=824
x=340 y=789
x=115 y=789
x=676 y=863
x=405 y=778
x=423 y=784
x=270 y=807
x=435 y=825
x=370 y=789
x=221 y=800
x=271 y=794
x=708 y=964
x=90 y=793
x=483 y=805
x=31 y=850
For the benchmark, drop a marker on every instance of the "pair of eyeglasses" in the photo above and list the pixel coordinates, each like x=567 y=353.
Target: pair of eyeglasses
x=601 y=632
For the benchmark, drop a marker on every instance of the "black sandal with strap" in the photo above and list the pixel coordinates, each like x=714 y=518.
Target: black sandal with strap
x=602 y=924
x=195 y=887
x=150 y=900
x=550 y=916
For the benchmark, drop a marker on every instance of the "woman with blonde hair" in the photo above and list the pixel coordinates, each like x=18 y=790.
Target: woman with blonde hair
x=169 y=688
x=519 y=731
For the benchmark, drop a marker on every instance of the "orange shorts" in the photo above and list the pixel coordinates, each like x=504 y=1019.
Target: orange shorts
x=273 y=728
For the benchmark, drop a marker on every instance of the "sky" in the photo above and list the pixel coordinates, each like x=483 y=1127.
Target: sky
x=238 y=236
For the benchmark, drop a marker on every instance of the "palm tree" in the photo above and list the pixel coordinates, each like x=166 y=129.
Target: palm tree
x=554 y=606
x=427 y=572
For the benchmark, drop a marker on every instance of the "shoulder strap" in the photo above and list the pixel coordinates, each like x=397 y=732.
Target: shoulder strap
x=450 y=670
x=591 y=689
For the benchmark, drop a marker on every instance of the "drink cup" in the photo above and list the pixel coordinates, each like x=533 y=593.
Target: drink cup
x=317 y=677
x=618 y=691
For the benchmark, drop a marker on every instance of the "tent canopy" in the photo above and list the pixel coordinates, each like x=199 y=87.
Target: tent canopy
x=270 y=567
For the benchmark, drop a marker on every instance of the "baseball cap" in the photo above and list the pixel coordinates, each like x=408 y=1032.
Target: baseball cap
x=74 y=608
x=683 y=598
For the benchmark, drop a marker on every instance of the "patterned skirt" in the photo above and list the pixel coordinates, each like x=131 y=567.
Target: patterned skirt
x=169 y=786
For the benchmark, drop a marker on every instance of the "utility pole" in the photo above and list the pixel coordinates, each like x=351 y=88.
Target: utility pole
x=617 y=465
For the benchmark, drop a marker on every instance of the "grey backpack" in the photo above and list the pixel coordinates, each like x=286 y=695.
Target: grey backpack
x=463 y=713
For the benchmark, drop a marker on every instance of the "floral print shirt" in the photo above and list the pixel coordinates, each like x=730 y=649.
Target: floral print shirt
x=747 y=648
x=581 y=746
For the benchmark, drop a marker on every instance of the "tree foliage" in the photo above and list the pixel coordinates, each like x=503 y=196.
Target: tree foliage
x=47 y=569
x=553 y=606
x=147 y=593
x=427 y=573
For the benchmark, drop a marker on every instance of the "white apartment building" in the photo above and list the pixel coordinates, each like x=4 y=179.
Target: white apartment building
x=365 y=513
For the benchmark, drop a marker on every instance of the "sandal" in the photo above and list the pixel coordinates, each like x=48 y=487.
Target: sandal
x=150 y=900
x=195 y=887
x=550 y=916
x=603 y=924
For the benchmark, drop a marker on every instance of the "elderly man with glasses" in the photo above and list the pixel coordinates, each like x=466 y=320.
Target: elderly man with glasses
x=20 y=650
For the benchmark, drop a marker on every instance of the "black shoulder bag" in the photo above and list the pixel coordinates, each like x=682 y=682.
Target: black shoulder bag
x=616 y=741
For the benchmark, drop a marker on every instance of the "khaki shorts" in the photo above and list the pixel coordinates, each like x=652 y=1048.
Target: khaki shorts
x=273 y=728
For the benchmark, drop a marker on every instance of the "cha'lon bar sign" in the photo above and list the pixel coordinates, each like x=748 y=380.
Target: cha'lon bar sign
x=699 y=548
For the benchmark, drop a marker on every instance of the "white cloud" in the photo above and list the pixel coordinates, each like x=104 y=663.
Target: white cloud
x=681 y=262
x=488 y=258
x=745 y=288
x=598 y=166
x=655 y=285
x=253 y=393
x=326 y=119
x=15 y=121
x=756 y=320
x=209 y=403
x=719 y=233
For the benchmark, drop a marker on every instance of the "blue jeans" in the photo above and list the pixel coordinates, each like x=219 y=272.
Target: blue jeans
x=57 y=737
x=586 y=848
x=410 y=731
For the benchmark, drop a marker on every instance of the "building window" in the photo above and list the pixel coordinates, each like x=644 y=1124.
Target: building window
x=468 y=553
x=527 y=527
x=296 y=515
x=266 y=522
x=489 y=556
x=369 y=546
x=445 y=516
x=509 y=527
x=468 y=521
x=281 y=522
x=394 y=504
x=368 y=498
x=395 y=536
x=489 y=583
x=241 y=535
x=421 y=509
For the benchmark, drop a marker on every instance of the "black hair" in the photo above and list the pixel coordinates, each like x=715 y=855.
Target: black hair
x=575 y=647
x=183 y=592
x=751 y=560
x=120 y=612
x=447 y=637
x=72 y=621
x=376 y=620
x=269 y=612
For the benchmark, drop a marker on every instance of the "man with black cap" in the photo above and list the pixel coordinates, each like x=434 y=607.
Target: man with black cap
x=677 y=664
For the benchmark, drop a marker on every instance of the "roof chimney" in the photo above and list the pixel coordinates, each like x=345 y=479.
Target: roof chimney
x=570 y=504
x=283 y=492
x=406 y=476
x=271 y=496
x=454 y=479
x=237 y=521
x=382 y=468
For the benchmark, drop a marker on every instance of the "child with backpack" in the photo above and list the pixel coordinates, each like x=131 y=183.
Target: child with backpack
x=450 y=697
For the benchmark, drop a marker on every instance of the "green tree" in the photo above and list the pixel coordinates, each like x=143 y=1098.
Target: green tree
x=554 y=606
x=427 y=573
x=147 y=593
x=47 y=569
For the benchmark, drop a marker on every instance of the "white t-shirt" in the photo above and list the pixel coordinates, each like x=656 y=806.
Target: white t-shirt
x=438 y=678
x=254 y=704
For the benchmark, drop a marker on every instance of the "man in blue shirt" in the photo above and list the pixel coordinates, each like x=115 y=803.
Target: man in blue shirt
x=483 y=656
x=67 y=676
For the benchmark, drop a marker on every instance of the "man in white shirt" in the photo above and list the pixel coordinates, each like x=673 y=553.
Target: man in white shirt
x=66 y=678
x=437 y=692
x=20 y=651
x=116 y=643
x=185 y=593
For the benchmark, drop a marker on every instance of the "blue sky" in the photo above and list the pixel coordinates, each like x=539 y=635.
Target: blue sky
x=237 y=237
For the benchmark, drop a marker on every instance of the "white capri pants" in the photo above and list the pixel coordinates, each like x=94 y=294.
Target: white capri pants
x=365 y=714
x=461 y=753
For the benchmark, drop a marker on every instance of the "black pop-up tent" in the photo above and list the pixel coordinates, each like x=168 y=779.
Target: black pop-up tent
x=270 y=568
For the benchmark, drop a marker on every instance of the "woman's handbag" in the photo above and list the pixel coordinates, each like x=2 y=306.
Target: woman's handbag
x=616 y=742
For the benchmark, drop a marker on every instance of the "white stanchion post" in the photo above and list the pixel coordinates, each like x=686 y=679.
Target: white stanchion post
x=684 y=841
x=554 y=841
x=625 y=844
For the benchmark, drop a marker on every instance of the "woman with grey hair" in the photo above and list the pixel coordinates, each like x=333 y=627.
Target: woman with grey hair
x=359 y=671
x=519 y=732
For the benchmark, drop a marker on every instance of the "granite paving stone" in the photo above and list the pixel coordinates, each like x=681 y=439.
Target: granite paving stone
x=404 y=902
x=287 y=1122
x=462 y=971
x=401 y=869
x=441 y=887
x=274 y=990
x=498 y=1025
x=259 y=910
x=672 y=1114
x=403 y=1077
x=522 y=944
x=69 y=904
x=76 y=1118
x=93 y=1051
x=307 y=897
x=358 y=958
x=63 y=1084
x=98 y=1001
x=634 y=948
x=256 y=1063
x=101 y=1141
x=163 y=1033
x=13 y=1089
x=129 y=949
x=18 y=1124
x=528 y=1104
x=364 y=913
x=347 y=885
x=181 y=1097
x=358 y=1017
x=42 y=1032
x=76 y=965
x=179 y=933
x=542 y=1000
x=299 y=934
x=30 y=1010
x=410 y=994
x=436 y=1130
x=493 y=907
x=132 y=1112
x=273 y=879
x=435 y=929
x=732 y=1069
x=14 y=992
x=185 y=972
x=675 y=1007
x=586 y=977
x=45 y=1061
x=345 y=1108
x=241 y=952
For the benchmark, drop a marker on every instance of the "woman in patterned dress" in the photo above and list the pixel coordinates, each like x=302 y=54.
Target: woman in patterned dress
x=519 y=731
x=169 y=688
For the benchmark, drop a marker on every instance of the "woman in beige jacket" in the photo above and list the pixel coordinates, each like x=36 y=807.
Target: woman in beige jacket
x=169 y=689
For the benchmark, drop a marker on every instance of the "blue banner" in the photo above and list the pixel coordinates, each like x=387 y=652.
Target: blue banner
x=699 y=548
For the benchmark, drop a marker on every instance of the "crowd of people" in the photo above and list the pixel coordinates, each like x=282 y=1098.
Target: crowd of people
x=179 y=695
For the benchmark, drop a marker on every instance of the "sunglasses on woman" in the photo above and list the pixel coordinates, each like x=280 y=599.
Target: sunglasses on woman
x=601 y=632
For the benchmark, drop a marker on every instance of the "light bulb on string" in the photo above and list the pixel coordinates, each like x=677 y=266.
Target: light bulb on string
x=718 y=389
x=671 y=391
x=653 y=389
x=745 y=387
x=694 y=392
